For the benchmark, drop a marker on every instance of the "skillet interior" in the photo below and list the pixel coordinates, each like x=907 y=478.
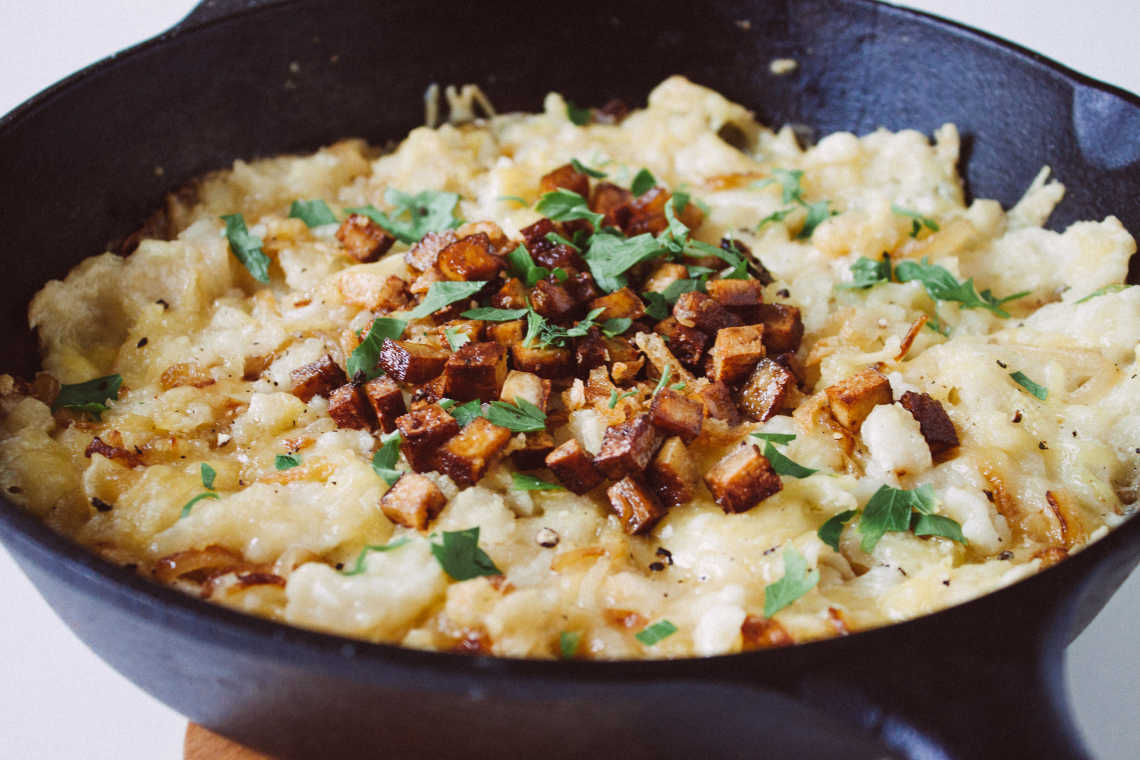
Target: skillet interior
x=858 y=70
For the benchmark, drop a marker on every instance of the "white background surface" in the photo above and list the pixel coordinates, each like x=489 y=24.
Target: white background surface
x=57 y=700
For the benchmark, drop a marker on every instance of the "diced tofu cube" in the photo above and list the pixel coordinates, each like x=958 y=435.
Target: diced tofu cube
x=718 y=403
x=423 y=255
x=783 y=327
x=386 y=400
x=567 y=177
x=742 y=480
x=552 y=301
x=550 y=362
x=622 y=303
x=635 y=504
x=673 y=473
x=853 y=398
x=349 y=409
x=675 y=414
x=573 y=467
x=933 y=421
x=363 y=239
x=475 y=371
x=470 y=259
x=317 y=378
x=414 y=501
x=424 y=431
x=699 y=310
x=532 y=456
x=767 y=390
x=409 y=362
x=628 y=448
x=686 y=343
x=467 y=456
x=735 y=353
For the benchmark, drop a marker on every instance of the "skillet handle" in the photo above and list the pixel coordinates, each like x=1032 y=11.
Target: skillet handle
x=210 y=10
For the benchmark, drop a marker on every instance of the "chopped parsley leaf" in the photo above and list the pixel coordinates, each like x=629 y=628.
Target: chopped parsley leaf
x=557 y=239
x=490 y=314
x=796 y=582
x=455 y=339
x=831 y=530
x=616 y=326
x=789 y=181
x=643 y=182
x=610 y=256
x=867 y=272
x=466 y=412
x=776 y=216
x=314 y=213
x=583 y=169
x=512 y=198
x=443 y=294
x=519 y=417
x=568 y=644
x=190 y=504
x=208 y=474
x=615 y=398
x=90 y=397
x=664 y=379
x=577 y=114
x=775 y=437
x=943 y=286
x=1104 y=291
x=385 y=459
x=460 y=556
x=427 y=211
x=246 y=247
x=891 y=509
x=1040 y=391
x=918 y=221
x=363 y=361
x=937 y=525
x=523 y=482
x=286 y=461
x=651 y=635
x=564 y=205
x=657 y=307
x=817 y=214
x=358 y=566
x=782 y=465
x=521 y=265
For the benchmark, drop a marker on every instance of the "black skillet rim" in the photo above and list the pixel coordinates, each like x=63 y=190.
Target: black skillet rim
x=74 y=565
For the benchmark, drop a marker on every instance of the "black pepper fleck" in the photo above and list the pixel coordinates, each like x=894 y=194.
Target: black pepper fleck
x=946 y=582
x=142 y=342
x=162 y=302
x=1006 y=555
x=784 y=293
x=17 y=489
x=1016 y=417
x=100 y=505
x=1002 y=364
x=665 y=554
x=339 y=565
x=1041 y=445
x=989 y=495
x=657 y=566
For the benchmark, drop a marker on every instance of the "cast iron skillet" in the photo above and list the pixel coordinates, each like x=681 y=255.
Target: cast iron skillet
x=980 y=680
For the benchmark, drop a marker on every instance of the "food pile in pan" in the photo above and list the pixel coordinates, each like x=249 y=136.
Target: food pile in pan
x=589 y=383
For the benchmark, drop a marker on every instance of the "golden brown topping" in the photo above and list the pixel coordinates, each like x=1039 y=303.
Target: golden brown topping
x=552 y=301
x=612 y=201
x=933 y=421
x=549 y=362
x=413 y=501
x=423 y=283
x=717 y=399
x=685 y=343
x=581 y=287
x=422 y=256
x=363 y=239
x=349 y=409
x=506 y=333
x=566 y=176
x=590 y=351
x=472 y=329
x=738 y=296
x=647 y=213
x=628 y=448
x=424 y=431
x=526 y=385
x=468 y=455
x=475 y=371
x=620 y=303
x=853 y=398
x=428 y=393
x=469 y=258
x=783 y=327
x=673 y=473
x=735 y=353
x=511 y=296
x=573 y=467
x=762 y=633
x=386 y=400
x=317 y=378
x=742 y=479
x=666 y=273
x=114 y=450
x=494 y=233
x=532 y=456
x=766 y=391
x=675 y=414
x=694 y=309
x=635 y=505
x=185 y=373
x=408 y=362
x=372 y=290
x=197 y=564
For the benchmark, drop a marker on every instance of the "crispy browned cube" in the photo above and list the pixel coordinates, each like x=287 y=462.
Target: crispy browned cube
x=783 y=327
x=674 y=414
x=635 y=505
x=127 y=457
x=467 y=456
x=567 y=177
x=422 y=256
x=666 y=273
x=573 y=467
x=317 y=378
x=532 y=456
x=526 y=385
x=472 y=329
x=409 y=362
x=413 y=501
x=766 y=392
x=590 y=351
x=647 y=212
x=758 y=632
x=699 y=310
x=476 y=370
x=493 y=232
x=424 y=431
x=628 y=448
x=672 y=473
x=581 y=287
x=735 y=353
x=428 y=393
x=511 y=296
x=853 y=398
x=393 y=295
x=742 y=480
x=386 y=400
x=348 y=408
x=363 y=239
x=625 y=373
x=614 y=202
x=422 y=284
x=763 y=276
x=736 y=293
x=686 y=343
x=469 y=258
x=506 y=333
x=933 y=421
x=621 y=303
x=550 y=362
x=552 y=301
x=536 y=233
x=718 y=403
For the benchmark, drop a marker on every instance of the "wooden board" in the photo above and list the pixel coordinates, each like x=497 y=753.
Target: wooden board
x=201 y=744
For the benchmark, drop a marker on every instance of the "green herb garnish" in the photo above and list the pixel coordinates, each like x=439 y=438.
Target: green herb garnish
x=568 y=644
x=442 y=295
x=817 y=214
x=363 y=361
x=314 y=213
x=937 y=525
x=519 y=417
x=616 y=326
x=460 y=556
x=867 y=272
x=489 y=314
x=286 y=461
x=784 y=466
x=581 y=168
x=358 y=566
x=651 y=635
x=615 y=398
x=1107 y=289
x=564 y=205
x=190 y=504
x=663 y=380
x=521 y=265
x=466 y=412
x=246 y=247
x=643 y=182
x=1040 y=391
x=90 y=397
x=943 y=286
x=797 y=581
x=512 y=198
x=775 y=437
x=918 y=221
x=789 y=181
x=831 y=530
x=523 y=482
x=427 y=211
x=455 y=339
x=775 y=216
x=208 y=474
x=385 y=459
x=577 y=114
x=610 y=256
